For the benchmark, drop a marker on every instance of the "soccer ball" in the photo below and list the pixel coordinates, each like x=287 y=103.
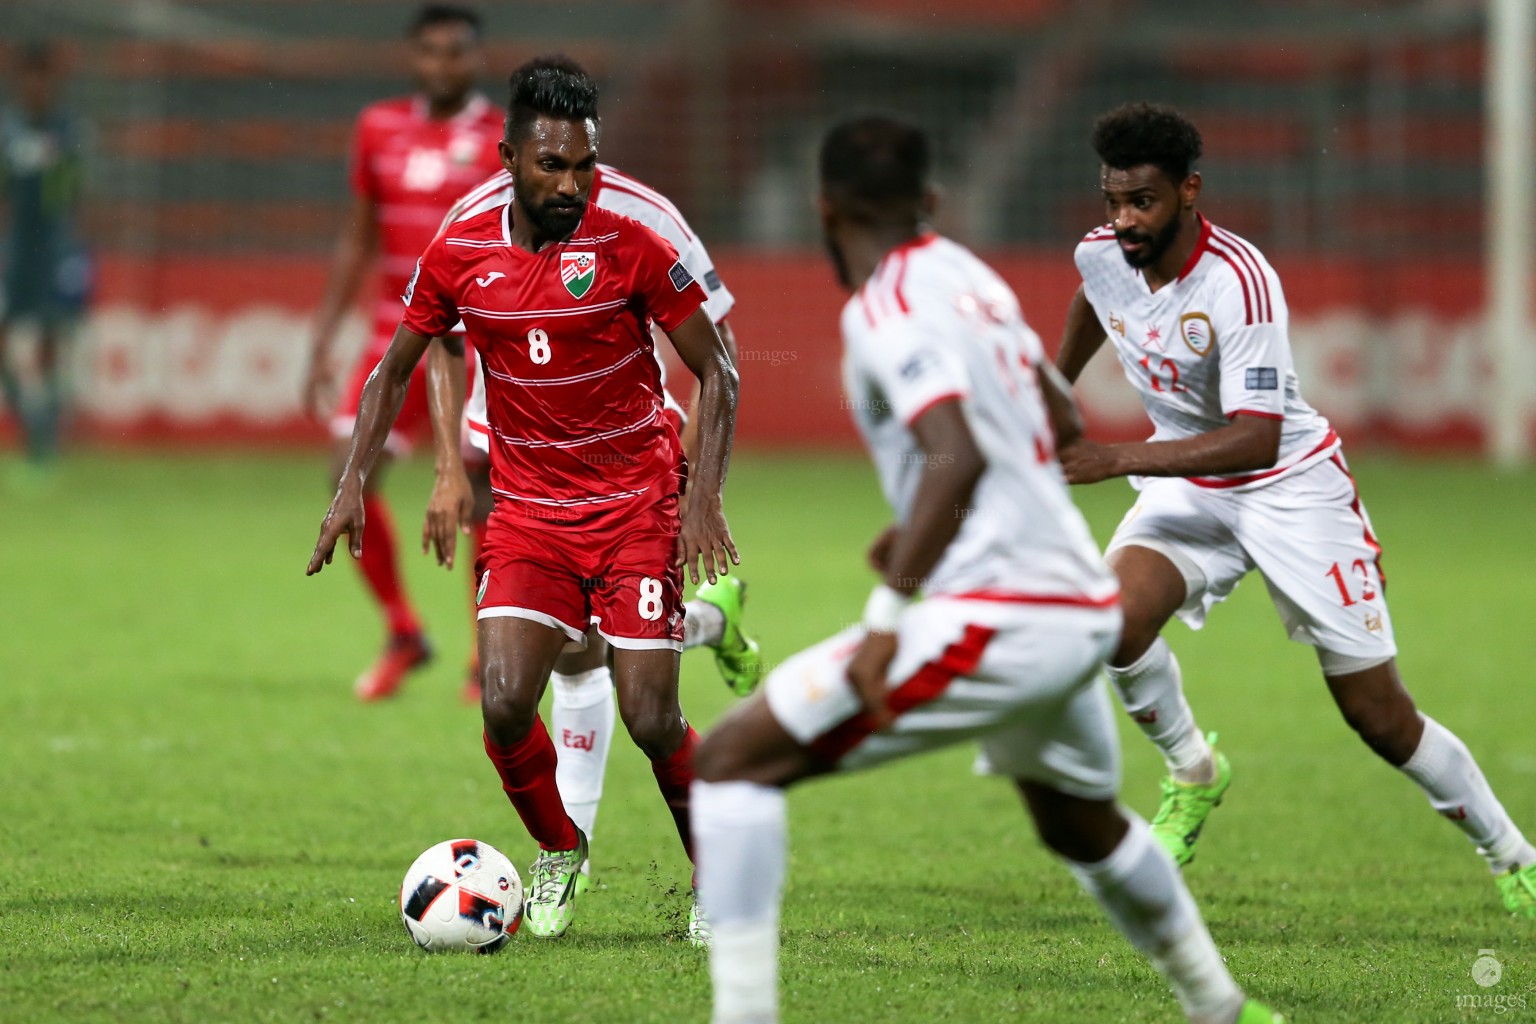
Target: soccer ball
x=461 y=895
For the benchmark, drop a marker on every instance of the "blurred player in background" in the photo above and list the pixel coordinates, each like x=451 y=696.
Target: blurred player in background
x=1240 y=474
x=582 y=714
x=558 y=295
x=961 y=412
x=411 y=158
x=47 y=272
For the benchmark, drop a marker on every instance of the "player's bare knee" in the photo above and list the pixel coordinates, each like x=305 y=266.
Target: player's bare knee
x=657 y=731
x=1081 y=830
x=507 y=714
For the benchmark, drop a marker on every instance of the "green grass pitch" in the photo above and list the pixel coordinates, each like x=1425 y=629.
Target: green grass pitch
x=199 y=823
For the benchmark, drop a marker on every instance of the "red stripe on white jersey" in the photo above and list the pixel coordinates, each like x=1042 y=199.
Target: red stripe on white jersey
x=1256 y=412
x=925 y=686
x=1250 y=258
x=487 y=188
x=653 y=198
x=1242 y=279
x=901 y=273
x=947 y=396
x=1365 y=523
x=1223 y=482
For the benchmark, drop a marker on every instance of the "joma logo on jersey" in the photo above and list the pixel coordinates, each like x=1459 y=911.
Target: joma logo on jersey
x=577 y=272
x=1197 y=332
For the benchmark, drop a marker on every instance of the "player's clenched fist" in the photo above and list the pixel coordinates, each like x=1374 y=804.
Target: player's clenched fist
x=345 y=516
x=705 y=536
x=1088 y=462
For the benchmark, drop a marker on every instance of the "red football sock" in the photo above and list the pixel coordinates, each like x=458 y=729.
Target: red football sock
x=527 y=770
x=673 y=777
x=381 y=570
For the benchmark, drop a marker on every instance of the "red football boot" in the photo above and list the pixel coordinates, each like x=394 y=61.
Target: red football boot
x=404 y=653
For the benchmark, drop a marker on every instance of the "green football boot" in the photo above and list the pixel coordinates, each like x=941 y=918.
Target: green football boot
x=584 y=877
x=1185 y=807
x=1257 y=1013
x=736 y=655
x=551 y=903
x=1517 y=887
x=698 y=924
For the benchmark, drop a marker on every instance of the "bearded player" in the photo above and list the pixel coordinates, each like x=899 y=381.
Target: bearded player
x=1240 y=474
x=557 y=296
x=961 y=414
x=582 y=715
x=411 y=157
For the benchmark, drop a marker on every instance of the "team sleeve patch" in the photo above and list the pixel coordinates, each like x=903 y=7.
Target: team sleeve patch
x=680 y=277
x=712 y=281
x=1262 y=378
x=917 y=366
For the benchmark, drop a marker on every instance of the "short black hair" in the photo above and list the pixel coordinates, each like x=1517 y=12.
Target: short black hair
x=553 y=85
x=875 y=168
x=1138 y=134
x=431 y=15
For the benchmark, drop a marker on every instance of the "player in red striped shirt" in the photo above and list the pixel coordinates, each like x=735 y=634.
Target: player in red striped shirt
x=557 y=297
x=411 y=158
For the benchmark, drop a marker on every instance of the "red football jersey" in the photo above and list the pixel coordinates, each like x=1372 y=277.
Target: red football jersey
x=573 y=392
x=413 y=168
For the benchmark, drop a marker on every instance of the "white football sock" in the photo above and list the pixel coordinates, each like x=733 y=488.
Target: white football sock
x=703 y=624
x=739 y=840
x=1446 y=772
x=1144 y=895
x=581 y=724
x=1152 y=690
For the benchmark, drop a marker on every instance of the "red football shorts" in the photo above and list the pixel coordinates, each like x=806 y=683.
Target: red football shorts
x=615 y=571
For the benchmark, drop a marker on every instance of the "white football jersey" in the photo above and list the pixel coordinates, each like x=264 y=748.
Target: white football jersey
x=932 y=323
x=615 y=191
x=1206 y=347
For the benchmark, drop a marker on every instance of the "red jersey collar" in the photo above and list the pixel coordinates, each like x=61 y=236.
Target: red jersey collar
x=1200 y=247
x=921 y=239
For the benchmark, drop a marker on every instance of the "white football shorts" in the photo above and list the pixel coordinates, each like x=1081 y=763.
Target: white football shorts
x=1308 y=534
x=1021 y=678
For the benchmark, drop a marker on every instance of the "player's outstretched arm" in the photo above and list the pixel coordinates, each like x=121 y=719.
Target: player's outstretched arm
x=1246 y=445
x=377 y=409
x=1083 y=336
x=451 y=507
x=705 y=536
x=355 y=248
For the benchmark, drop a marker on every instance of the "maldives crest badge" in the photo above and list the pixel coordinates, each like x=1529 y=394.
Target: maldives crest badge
x=577 y=272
